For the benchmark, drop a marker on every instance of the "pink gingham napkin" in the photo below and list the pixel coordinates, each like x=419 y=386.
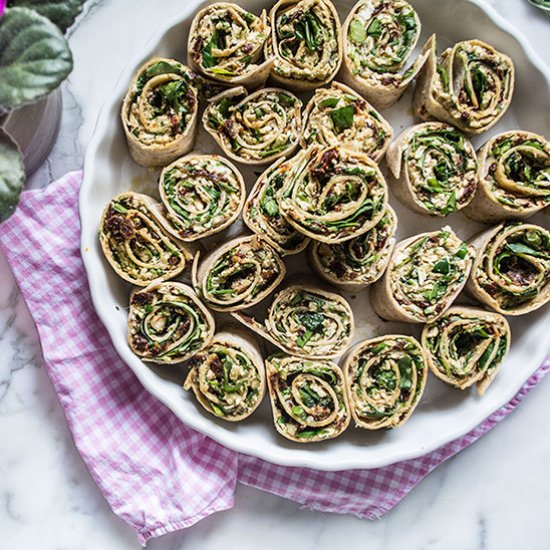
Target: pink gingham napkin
x=156 y=473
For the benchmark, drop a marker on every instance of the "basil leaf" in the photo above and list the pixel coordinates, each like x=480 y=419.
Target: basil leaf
x=311 y=321
x=375 y=28
x=462 y=252
x=34 y=57
x=12 y=175
x=286 y=100
x=357 y=32
x=61 y=12
x=328 y=102
x=342 y=118
x=520 y=248
x=442 y=266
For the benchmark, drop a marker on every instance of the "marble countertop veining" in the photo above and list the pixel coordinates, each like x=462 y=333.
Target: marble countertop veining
x=495 y=495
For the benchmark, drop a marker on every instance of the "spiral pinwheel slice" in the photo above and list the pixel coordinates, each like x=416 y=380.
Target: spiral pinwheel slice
x=424 y=276
x=202 y=195
x=434 y=169
x=355 y=264
x=238 y=274
x=333 y=194
x=379 y=37
x=227 y=376
x=306 y=321
x=514 y=172
x=385 y=378
x=135 y=242
x=466 y=346
x=511 y=271
x=308 y=398
x=226 y=43
x=256 y=128
x=305 y=43
x=160 y=112
x=338 y=115
x=167 y=323
x=470 y=86
x=262 y=214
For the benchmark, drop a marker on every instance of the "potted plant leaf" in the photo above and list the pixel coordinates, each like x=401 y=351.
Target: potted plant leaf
x=34 y=59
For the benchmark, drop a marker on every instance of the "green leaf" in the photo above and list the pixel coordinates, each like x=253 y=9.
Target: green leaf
x=342 y=118
x=405 y=370
x=12 y=175
x=61 y=12
x=520 y=248
x=328 y=102
x=357 y=32
x=442 y=266
x=375 y=28
x=34 y=57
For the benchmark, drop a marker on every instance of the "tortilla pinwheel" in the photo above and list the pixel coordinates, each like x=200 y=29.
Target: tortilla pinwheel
x=379 y=37
x=305 y=43
x=256 y=128
x=227 y=376
x=333 y=194
x=353 y=265
x=237 y=274
x=424 y=276
x=434 y=169
x=202 y=195
x=385 y=378
x=466 y=346
x=511 y=271
x=135 y=243
x=306 y=321
x=160 y=112
x=340 y=116
x=470 y=86
x=226 y=43
x=167 y=323
x=514 y=172
x=308 y=398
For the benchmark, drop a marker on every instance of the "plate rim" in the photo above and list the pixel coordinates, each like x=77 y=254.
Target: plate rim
x=205 y=425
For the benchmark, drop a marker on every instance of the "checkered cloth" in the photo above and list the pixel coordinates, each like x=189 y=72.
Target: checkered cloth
x=156 y=473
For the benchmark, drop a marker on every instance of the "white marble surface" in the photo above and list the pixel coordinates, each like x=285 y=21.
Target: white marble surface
x=494 y=496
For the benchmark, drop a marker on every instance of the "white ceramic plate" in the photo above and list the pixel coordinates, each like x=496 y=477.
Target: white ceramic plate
x=444 y=413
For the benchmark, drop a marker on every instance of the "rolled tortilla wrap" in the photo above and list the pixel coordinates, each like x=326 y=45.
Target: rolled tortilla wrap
x=306 y=321
x=333 y=194
x=308 y=398
x=379 y=37
x=305 y=44
x=202 y=195
x=262 y=214
x=385 y=378
x=424 y=276
x=135 y=243
x=353 y=265
x=159 y=112
x=511 y=271
x=167 y=323
x=238 y=274
x=256 y=128
x=433 y=168
x=228 y=376
x=340 y=116
x=514 y=177
x=470 y=86
x=466 y=346
x=226 y=43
